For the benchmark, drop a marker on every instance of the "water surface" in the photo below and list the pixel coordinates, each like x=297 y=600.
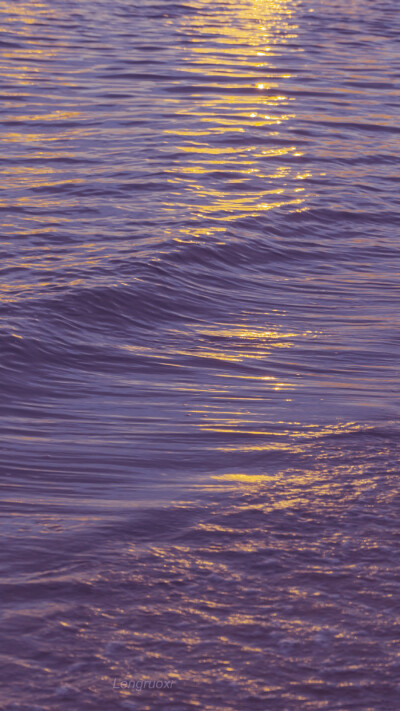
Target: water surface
x=200 y=353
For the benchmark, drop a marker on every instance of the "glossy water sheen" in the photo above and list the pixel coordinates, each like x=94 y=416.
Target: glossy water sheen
x=199 y=354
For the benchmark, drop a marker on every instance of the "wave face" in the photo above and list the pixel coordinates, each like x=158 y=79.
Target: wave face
x=199 y=310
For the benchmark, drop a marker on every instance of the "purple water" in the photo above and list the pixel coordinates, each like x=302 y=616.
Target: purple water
x=200 y=355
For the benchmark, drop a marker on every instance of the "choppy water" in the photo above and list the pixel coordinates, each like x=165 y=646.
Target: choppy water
x=200 y=354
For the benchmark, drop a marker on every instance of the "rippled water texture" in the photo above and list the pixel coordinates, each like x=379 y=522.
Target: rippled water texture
x=200 y=354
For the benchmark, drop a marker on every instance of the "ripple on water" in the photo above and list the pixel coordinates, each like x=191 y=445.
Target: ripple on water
x=199 y=318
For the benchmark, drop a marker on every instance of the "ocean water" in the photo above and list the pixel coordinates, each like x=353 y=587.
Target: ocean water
x=199 y=355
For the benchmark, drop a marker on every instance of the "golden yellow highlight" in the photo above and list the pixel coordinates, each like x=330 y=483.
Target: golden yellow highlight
x=243 y=106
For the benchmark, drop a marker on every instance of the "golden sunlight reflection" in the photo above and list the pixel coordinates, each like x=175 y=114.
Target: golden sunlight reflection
x=229 y=136
x=291 y=488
